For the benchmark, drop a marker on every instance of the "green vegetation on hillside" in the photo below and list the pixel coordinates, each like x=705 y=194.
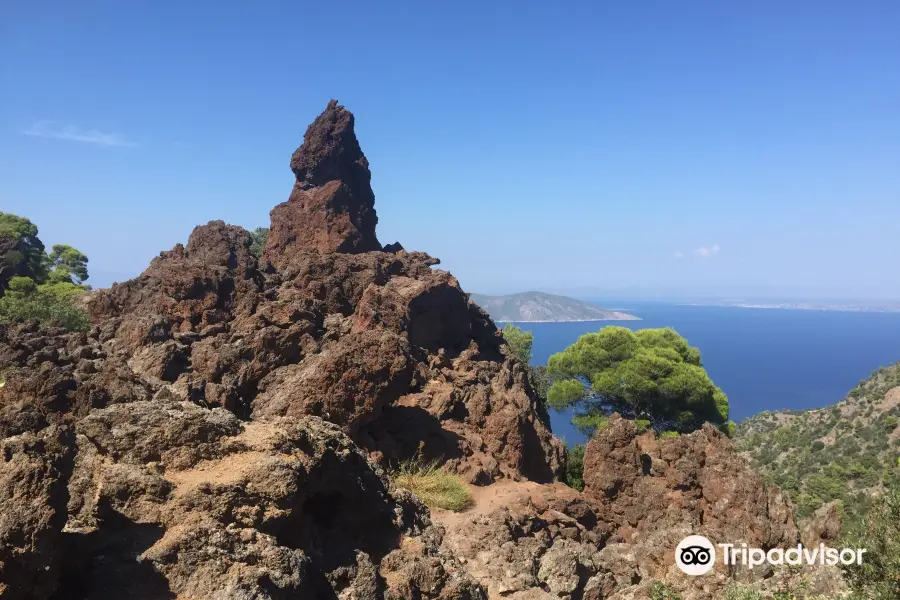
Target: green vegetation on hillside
x=846 y=452
x=652 y=376
x=35 y=285
x=878 y=577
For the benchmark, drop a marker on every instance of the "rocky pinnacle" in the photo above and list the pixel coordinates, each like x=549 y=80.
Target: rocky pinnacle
x=332 y=206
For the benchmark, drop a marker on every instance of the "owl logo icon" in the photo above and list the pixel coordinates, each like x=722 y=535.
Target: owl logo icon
x=695 y=555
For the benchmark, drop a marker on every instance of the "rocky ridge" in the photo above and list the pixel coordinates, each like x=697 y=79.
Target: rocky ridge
x=225 y=428
x=846 y=452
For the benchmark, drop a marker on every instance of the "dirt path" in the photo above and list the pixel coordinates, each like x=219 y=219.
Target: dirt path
x=487 y=499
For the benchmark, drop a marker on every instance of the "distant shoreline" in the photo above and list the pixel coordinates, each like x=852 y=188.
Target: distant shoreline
x=806 y=307
x=628 y=318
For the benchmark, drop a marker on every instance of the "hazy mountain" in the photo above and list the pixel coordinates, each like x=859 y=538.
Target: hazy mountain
x=538 y=306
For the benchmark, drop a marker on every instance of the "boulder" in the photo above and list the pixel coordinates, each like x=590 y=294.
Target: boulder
x=33 y=497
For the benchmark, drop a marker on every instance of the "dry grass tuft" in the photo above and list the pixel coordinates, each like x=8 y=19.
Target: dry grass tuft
x=434 y=486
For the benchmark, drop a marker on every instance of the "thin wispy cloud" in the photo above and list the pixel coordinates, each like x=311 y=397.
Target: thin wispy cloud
x=704 y=252
x=51 y=130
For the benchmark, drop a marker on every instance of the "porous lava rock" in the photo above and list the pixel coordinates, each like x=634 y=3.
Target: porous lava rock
x=526 y=541
x=332 y=206
x=656 y=491
x=617 y=539
x=367 y=339
x=35 y=470
x=169 y=499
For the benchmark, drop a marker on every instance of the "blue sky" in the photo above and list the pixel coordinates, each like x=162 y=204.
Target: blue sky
x=667 y=147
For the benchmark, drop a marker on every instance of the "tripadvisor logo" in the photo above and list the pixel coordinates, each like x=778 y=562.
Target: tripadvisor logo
x=696 y=555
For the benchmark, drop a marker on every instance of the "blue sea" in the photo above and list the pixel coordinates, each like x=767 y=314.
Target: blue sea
x=763 y=359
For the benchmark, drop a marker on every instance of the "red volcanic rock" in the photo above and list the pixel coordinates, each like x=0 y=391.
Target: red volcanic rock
x=617 y=540
x=349 y=382
x=433 y=310
x=332 y=327
x=186 y=288
x=654 y=492
x=332 y=206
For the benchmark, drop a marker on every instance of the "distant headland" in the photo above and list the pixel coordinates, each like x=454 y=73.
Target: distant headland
x=538 y=307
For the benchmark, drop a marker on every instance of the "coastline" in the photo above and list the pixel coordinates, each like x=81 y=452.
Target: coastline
x=806 y=307
x=630 y=318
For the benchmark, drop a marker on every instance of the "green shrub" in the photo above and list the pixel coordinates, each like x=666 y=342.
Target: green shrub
x=52 y=305
x=737 y=591
x=824 y=487
x=642 y=425
x=878 y=577
x=258 y=240
x=807 y=504
x=591 y=423
x=729 y=428
x=668 y=435
x=434 y=486
x=575 y=467
x=817 y=445
x=661 y=591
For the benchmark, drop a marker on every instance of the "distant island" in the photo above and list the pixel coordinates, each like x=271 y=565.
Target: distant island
x=538 y=307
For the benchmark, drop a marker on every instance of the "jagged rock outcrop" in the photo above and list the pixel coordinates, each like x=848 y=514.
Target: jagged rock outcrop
x=532 y=542
x=224 y=429
x=193 y=443
x=332 y=206
x=643 y=495
x=824 y=526
x=655 y=492
x=377 y=342
x=51 y=376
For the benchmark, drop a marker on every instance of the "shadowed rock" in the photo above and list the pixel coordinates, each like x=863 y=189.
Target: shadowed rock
x=33 y=474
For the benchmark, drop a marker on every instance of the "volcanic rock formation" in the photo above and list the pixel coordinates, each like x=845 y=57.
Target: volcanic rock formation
x=377 y=342
x=224 y=430
x=179 y=447
x=643 y=495
x=332 y=207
